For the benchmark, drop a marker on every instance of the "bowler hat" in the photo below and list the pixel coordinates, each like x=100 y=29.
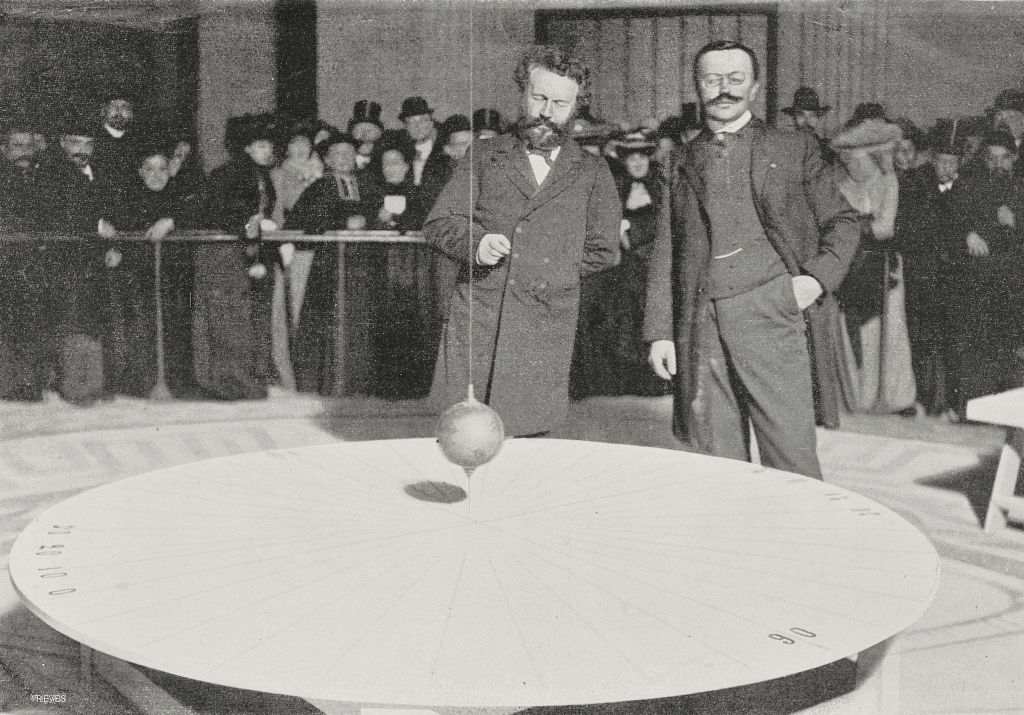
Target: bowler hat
x=365 y=112
x=78 y=124
x=1000 y=136
x=487 y=119
x=414 y=106
x=455 y=123
x=805 y=99
x=1009 y=99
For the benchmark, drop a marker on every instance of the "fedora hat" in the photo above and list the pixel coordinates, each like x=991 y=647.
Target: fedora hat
x=805 y=99
x=414 y=106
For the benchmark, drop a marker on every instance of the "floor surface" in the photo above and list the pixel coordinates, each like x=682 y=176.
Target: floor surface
x=966 y=655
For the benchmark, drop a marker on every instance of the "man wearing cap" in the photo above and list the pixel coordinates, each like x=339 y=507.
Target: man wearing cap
x=365 y=128
x=932 y=202
x=529 y=216
x=753 y=238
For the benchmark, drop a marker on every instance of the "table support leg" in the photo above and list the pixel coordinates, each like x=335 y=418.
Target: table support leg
x=85 y=663
x=1006 y=480
x=878 y=684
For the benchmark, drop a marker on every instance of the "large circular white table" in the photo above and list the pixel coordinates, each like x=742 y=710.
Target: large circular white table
x=574 y=572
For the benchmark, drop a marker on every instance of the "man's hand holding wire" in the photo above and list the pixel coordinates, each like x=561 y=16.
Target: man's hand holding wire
x=493 y=247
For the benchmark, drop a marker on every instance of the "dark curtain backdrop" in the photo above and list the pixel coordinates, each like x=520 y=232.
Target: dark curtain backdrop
x=642 y=61
x=49 y=69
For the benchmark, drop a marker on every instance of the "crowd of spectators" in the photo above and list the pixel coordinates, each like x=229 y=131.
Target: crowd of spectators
x=930 y=315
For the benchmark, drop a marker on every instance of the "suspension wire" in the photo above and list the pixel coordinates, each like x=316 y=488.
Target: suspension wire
x=472 y=171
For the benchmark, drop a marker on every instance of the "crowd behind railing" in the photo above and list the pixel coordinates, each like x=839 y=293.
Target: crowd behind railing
x=931 y=313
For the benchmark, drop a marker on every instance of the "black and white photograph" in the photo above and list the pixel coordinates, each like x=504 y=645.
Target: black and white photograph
x=511 y=357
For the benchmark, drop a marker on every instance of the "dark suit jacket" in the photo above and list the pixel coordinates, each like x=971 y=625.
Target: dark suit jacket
x=320 y=207
x=808 y=222
x=525 y=307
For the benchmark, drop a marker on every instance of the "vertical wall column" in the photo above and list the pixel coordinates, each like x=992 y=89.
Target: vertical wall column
x=296 y=57
x=238 y=69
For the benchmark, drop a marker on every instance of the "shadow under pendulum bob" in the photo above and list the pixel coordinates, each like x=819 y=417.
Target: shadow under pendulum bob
x=470 y=433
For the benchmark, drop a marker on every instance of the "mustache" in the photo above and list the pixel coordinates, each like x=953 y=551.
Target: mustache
x=722 y=99
x=539 y=121
x=525 y=124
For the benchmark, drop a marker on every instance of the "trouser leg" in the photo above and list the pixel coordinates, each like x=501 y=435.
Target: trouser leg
x=720 y=426
x=763 y=332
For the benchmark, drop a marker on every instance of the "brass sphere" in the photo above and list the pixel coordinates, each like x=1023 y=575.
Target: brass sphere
x=470 y=433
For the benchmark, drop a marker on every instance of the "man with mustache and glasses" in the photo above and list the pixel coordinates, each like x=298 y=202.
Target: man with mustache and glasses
x=754 y=237
x=526 y=215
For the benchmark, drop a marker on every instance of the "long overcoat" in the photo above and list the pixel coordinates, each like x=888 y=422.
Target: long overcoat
x=524 y=309
x=808 y=222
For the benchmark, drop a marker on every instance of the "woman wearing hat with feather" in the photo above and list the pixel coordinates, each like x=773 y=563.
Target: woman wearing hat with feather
x=874 y=365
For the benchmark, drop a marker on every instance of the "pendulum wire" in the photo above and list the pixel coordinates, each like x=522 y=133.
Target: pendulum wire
x=469 y=242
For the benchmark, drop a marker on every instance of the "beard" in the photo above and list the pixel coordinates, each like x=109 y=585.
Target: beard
x=543 y=134
x=118 y=122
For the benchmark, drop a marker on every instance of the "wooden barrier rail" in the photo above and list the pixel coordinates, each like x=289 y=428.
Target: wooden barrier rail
x=219 y=236
x=161 y=390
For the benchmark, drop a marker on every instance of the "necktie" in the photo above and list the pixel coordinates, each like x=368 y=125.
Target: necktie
x=264 y=199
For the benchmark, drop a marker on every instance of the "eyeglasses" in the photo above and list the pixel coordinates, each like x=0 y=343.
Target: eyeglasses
x=733 y=78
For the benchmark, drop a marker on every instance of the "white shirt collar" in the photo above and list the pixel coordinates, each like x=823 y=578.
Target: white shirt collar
x=736 y=124
x=116 y=133
x=424 y=148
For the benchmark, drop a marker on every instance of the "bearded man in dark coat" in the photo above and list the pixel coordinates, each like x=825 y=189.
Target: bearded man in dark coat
x=541 y=215
x=28 y=303
x=80 y=190
x=753 y=238
x=986 y=274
